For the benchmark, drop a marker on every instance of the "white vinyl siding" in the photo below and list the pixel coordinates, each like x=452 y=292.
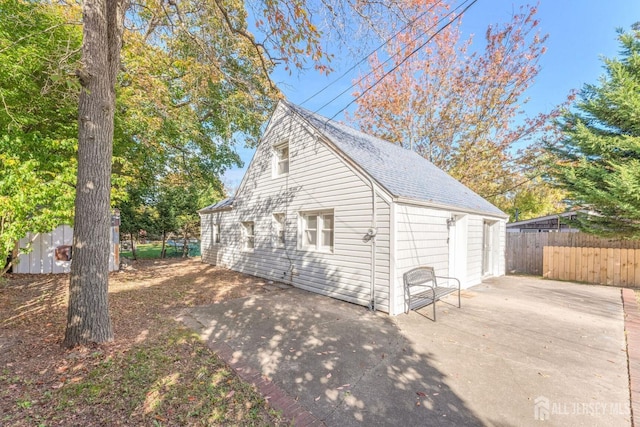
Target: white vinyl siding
x=319 y=180
x=422 y=239
x=212 y=236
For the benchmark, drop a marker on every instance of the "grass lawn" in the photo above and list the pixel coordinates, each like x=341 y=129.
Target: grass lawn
x=151 y=251
x=155 y=373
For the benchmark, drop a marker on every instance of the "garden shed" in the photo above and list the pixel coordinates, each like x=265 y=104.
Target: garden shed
x=50 y=252
x=332 y=210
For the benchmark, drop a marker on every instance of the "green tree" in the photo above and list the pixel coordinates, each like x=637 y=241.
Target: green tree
x=38 y=120
x=208 y=47
x=199 y=81
x=597 y=161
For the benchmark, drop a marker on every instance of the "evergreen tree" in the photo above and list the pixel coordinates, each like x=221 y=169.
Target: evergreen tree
x=598 y=160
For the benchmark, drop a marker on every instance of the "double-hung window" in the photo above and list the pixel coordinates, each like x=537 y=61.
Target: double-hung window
x=248 y=237
x=317 y=231
x=278 y=229
x=281 y=158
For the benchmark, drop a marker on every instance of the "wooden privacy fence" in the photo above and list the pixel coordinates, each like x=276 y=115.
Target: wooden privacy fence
x=605 y=266
x=524 y=251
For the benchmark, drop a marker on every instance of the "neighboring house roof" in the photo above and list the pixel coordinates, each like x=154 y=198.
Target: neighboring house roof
x=403 y=173
x=221 y=205
x=569 y=214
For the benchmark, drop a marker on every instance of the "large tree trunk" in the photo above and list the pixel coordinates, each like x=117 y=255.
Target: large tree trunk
x=88 y=318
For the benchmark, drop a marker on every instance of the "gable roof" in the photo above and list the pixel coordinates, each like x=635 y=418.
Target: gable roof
x=403 y=173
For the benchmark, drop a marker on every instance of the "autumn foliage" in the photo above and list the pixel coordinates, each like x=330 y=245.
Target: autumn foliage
x=455 y=104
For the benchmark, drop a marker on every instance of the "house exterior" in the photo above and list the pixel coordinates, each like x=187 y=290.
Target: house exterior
x=557 y=223
x=332 y=210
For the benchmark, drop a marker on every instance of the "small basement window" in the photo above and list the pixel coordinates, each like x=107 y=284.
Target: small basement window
x=278 y=229
x=317 y=231
x=281 y=158
x=248 y=236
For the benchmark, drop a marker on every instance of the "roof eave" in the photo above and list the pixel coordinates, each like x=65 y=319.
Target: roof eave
x=206 y=211
x=424 y=203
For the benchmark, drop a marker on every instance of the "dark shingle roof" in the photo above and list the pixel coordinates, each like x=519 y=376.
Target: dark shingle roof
x=402 y=172
x=222 y=204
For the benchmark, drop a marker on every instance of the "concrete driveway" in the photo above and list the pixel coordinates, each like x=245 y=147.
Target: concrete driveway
x=519 y=350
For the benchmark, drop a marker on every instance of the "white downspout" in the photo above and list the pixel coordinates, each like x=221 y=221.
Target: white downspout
x=372 y=234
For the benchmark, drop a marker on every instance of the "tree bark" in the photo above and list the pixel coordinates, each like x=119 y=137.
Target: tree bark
x=164 y=244
x=134 y=254
x=88 y=318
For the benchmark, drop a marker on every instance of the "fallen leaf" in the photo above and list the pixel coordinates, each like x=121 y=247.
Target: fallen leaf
x=230 y=394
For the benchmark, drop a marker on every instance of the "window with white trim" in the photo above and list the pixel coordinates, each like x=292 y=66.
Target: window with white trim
x=248 y=236
x=317 y=231
x=278 y=230
x=281 y=158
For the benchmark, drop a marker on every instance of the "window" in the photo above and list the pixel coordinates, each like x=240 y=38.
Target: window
x=317 y=230
x=216 y=233
x=248 y=236
x=281 y=159
x=278 y=229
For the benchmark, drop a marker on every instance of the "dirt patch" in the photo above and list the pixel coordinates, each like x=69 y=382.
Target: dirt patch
x=42 y=383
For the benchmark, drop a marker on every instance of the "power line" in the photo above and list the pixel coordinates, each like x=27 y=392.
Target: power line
x=394 y=55
x=410 y=23
x=413 y=52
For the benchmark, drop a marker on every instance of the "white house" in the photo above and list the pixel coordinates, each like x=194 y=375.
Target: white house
x=332 y=210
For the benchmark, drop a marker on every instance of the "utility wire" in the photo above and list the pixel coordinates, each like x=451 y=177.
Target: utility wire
x=401 y=62
x=410 y=23
x=393 y=56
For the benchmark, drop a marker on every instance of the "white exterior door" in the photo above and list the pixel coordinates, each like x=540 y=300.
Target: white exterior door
x=488 y=238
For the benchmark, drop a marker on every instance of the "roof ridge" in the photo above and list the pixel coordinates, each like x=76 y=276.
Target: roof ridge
x=403 y=172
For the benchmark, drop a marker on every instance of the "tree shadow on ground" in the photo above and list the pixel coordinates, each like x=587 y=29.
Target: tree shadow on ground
x=346 y=365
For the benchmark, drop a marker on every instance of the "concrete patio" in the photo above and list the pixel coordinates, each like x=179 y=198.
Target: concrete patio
x=519 y=350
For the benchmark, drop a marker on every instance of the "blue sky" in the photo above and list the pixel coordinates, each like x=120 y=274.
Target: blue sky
x=580 y=33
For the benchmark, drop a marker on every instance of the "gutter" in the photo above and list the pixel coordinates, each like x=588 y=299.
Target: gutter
x=371 y=234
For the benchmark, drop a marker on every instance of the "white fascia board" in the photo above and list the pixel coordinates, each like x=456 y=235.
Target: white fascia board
x=414 y=202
